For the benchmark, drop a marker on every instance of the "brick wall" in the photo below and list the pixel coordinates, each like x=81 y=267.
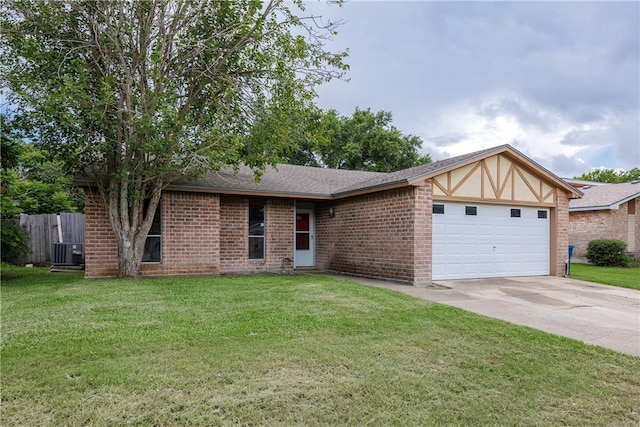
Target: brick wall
x=101 y=248
x=559 y=235
x=190 y=237
x=585 y=226
x=423 y=233
x=374 y=235
x=234 y=235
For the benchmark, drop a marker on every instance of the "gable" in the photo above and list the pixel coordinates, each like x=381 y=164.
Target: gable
x=497 y=178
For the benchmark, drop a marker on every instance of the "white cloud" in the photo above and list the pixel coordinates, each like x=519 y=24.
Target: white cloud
x=560 y=81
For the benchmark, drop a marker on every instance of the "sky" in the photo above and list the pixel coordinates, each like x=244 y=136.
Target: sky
x=559 y=81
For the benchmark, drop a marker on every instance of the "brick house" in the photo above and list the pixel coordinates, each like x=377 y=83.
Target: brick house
x=489 y=213
x=606 y=211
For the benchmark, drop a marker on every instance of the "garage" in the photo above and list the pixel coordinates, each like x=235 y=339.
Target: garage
x=472 y=240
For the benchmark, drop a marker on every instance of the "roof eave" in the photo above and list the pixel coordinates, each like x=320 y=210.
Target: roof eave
x=594 y=208
x=255 y=193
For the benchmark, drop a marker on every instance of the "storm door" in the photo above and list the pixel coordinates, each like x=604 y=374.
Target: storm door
x=304 y=238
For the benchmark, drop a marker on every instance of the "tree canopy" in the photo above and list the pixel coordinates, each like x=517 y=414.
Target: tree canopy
x=365 y=141
x=611 y=176
x=136 y=94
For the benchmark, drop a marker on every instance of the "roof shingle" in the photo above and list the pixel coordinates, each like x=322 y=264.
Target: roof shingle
x=605 y=196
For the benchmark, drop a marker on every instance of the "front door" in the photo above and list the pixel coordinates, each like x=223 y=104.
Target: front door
x=304 y=239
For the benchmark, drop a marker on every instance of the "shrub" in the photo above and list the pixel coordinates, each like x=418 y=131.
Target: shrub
x=608 y=252
x=14 y=242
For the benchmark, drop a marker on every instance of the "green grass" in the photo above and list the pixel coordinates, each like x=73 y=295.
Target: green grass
x=286 y=351
x=626 y=277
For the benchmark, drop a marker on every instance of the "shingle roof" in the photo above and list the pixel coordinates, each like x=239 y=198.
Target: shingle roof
x=290 y=180
x=605 y=196
x=283 y=179
x=311 y=181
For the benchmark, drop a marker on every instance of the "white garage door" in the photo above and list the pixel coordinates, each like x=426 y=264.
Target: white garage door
x=475 y=240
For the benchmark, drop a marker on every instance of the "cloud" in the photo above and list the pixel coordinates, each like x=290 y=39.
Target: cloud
x=560 y=81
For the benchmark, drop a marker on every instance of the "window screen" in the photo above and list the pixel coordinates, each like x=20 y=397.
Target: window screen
x=256 y=231
x=153 y=244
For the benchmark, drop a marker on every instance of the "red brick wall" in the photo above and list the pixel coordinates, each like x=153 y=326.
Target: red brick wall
x=190 y=237
x=585 y=226
x=374 y=235
x=423 y=203
x=234 y=235
x=101 y=249
x=559 y=234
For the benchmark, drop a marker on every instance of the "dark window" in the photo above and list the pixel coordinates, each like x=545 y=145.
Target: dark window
x=153 y=244
x=256 y=231
x=438 y=209
x=471 y=210
x=542 y=214
x=515 y=213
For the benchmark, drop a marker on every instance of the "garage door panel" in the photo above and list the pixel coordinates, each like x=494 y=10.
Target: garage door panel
x=489 y=244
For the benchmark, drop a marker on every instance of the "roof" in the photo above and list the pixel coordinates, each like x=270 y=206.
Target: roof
x=282 y=180
x=322 y=183
x=579 y=183
x=605 y=196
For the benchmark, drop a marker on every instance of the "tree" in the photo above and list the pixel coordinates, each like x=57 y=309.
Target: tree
x=13 y=238
x=137 y=94
x=611 y=176
x=365 y=141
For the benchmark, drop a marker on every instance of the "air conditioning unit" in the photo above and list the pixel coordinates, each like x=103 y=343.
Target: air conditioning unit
x=66 y=254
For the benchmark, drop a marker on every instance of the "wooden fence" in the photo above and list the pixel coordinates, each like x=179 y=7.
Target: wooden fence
x=44 y=231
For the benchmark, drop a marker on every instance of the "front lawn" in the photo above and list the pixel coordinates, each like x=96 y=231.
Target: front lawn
x=626 y=277
x=286 y=350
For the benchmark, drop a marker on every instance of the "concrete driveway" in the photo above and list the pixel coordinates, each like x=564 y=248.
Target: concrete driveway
x=607 y=316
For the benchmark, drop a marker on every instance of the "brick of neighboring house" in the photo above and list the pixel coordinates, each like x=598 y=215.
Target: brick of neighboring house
x=620 y=224
x=382 y=235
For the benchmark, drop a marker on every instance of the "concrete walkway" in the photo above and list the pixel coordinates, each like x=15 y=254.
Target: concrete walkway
x=607 y=316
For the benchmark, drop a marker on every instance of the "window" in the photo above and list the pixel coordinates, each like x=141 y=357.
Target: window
x=256 y=231
x=471 y=210
x=542 y=214
x=515 y=213
x=153 y=244
x=438 y=209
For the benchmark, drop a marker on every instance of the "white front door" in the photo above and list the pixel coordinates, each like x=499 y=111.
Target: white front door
x=480 y=240
x=304 y=238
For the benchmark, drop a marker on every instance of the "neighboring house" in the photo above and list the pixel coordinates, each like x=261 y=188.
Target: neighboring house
x=490 y=213
x=606 y=211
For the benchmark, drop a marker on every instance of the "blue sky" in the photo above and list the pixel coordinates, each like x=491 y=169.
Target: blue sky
x=560 y=81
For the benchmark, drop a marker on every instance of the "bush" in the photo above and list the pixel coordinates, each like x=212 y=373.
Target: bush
x=608 y=252
x=14 y=242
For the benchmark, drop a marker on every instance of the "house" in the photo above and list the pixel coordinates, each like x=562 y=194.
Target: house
x=490 y=213
x=606 y=211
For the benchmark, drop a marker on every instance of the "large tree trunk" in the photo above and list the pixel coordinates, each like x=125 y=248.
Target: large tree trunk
x=130 y=222
x=130 y=252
